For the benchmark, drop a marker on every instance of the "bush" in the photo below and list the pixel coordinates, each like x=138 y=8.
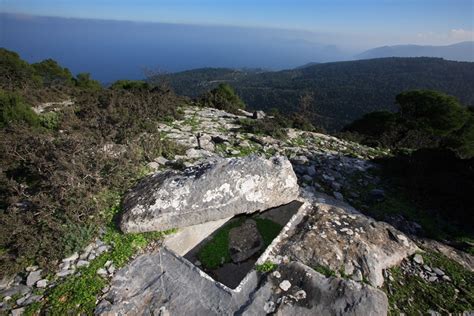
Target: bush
x=16 y=73
x=432 y=111
x=52 y=183
x=130 y=85
x=223 y=98
x=52 y=73
x=13 y=109
x=427 y=119
x=84 y=81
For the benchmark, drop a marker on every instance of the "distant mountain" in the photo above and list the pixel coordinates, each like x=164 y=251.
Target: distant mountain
x=463 y=51
x=342 y=91
x=307 y=65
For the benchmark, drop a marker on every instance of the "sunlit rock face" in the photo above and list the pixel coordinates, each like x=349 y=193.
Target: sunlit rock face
x=215 y=190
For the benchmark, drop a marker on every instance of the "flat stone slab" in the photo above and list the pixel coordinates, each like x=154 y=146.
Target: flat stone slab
x=215 y=190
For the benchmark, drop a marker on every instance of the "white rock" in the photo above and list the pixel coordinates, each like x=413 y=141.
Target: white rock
x=269 y=307
x=42 y=283
x=72 y=257
x=33 y=277
x=82 y=263
x=285 y=285
x=418 y=258
x=276 y=274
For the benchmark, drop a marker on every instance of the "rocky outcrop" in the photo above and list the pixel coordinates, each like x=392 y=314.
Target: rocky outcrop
x=296 y=289
x=348 y=243
x=244 y=241
x=160 y=283
x=207 y=192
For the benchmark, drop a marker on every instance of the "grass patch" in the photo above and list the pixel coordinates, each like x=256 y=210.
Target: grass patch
x=324 y=270
x=266 y=267
x=268 y=229
x=78 y=294
x=216 y=251
x=412 y=295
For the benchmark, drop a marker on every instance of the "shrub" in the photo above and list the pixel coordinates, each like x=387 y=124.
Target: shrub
x=16 y=73
x=130 y=85
x=52 y=73
x=432 y=111
x=13 y=109
x=84 y=81
x=223 y=98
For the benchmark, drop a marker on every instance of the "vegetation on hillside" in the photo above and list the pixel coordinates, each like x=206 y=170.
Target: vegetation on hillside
x=61 y=169
x=223 y=98
x=342 y=91
x=426 y=119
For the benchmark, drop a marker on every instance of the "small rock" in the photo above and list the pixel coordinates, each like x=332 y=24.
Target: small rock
x=18 y=311
x=311 y=171
x=6 y=281
x=285 y=285
x=432 y=278
x=102 y=249
x=64 y=273
x=300 y=295
x=31 y=268
x=21 y=300
x=33 y=277
x=418 y=258
x=42 y=283
x=338 y=196
x=276 y=274
x=102 y=272
x=269 y=307
x=108 y=263
x=357 y=276
x=446 y=278
x=197 y=263
x=82 y=263
x=111 y=269
x=72 y=257
x=33 y=299
x=438 y=271
x=427 y=268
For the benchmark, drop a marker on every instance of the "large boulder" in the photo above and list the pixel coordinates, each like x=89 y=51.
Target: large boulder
x=338 y=238
x=211 y=191
x=297 y=289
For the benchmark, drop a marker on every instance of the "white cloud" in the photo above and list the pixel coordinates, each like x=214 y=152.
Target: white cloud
x=461 y=35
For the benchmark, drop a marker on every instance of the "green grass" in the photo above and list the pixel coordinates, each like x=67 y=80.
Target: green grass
x=268 y=229
x=265 y=267
x=78 y=294
x=324 y=271
x=216 y=252
x=413 y=295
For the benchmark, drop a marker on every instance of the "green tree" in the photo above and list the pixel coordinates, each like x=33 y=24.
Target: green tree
x=84 y=80
x=52 y=73
x=223 y=98
x=16 y=73
x=432 y=111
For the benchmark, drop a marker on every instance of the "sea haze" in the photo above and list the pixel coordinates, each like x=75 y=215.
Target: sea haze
x=112 y=50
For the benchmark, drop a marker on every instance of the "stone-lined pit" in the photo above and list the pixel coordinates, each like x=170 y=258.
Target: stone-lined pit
x=219 y=240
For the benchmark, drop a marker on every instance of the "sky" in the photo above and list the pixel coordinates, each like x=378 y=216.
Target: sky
x=117 y=39
x=367 y=22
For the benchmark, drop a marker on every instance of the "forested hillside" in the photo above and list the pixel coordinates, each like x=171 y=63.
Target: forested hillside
x=341 y=91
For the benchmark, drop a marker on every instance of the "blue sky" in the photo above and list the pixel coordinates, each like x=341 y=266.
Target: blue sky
x=393 y=21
